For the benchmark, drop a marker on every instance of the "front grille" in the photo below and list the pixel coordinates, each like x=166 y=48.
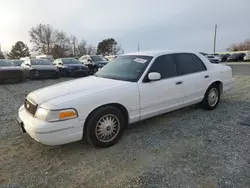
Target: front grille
x=30 y=107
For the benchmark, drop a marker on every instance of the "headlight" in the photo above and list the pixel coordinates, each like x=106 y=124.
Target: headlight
x=55 y=115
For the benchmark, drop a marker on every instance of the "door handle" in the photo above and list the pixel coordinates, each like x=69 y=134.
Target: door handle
x=206 y=76
x=179 y=82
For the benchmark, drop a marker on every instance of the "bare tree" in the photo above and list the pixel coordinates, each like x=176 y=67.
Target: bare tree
x=91 y=50
x=240 y=46
x=82 y=48
x=74 y=42
x=63 y=42
x=42 y=38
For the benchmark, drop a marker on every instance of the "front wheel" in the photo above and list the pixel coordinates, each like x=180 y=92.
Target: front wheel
x=34 y=74
x=212 y=97
x=104 y=127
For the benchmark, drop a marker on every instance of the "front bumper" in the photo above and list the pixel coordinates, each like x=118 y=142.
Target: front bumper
x=81 y=72
x=50 y=133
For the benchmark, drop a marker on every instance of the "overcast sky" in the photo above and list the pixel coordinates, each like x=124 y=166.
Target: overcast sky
x=155 y=24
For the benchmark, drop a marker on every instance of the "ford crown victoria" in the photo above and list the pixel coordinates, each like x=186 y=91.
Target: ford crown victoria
x=135 y=87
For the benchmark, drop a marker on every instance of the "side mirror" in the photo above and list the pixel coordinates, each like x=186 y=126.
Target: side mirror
x=154 y=76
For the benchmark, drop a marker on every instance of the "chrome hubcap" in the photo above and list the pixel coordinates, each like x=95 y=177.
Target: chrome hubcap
x=213 y=97
x=107 y=128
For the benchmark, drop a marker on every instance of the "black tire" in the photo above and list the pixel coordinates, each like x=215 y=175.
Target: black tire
x=95 y=69
x=205 y=102
x=57 y=75
x=33 y=74
x=22 y=78
x=65 y=73
x=91 y=126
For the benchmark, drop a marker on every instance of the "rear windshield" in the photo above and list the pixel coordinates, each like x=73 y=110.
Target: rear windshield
x=70 y=61
x=40 y=62
x=5 y=63
x=17 y=62
x=96 y=58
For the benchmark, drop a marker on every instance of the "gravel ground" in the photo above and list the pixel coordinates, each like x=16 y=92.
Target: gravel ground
x=190 y=147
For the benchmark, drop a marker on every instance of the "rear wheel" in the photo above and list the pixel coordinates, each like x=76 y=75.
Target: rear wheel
x=104 y=127
x=212 y=97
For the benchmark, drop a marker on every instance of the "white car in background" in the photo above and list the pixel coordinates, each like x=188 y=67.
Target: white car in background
x=136 y=86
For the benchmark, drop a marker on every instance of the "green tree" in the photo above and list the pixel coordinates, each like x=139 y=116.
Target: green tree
x=19 y=50
x=108 y=47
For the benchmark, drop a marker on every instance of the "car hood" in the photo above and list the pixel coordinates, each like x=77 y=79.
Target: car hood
x=87 y=85
x=10 y=68
x=44 y=67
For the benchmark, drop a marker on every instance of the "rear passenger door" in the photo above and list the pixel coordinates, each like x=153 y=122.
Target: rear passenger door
x=196 y=78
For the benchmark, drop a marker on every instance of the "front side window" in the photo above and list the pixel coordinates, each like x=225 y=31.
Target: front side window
x=165 y=65
x=188 y=63
x=126 y=68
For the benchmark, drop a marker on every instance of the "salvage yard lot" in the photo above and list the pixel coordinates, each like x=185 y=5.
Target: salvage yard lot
x=190 y=147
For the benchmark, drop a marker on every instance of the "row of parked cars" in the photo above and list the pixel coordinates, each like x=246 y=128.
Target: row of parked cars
x=234 y=57
x=34 y=68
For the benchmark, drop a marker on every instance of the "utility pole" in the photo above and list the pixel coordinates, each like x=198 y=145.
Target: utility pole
x=215 y=33
x=138 y=48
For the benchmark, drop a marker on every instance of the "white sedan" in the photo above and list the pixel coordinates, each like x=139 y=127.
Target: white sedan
x=134 y=87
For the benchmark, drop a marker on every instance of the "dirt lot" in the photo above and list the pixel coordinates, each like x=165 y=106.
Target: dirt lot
x=186 y=148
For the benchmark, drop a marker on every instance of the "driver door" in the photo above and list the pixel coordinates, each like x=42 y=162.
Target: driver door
x=164 y=95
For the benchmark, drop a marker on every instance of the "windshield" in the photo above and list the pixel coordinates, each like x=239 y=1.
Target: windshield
x=96 y=58
x=70 y=61
x=40 y=62
x=127 y=68
x=5 y=63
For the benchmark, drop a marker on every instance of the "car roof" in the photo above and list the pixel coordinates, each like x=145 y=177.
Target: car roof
x=155 y=53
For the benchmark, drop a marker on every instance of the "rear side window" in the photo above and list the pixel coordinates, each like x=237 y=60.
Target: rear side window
x=188 y=63
x=165 y=65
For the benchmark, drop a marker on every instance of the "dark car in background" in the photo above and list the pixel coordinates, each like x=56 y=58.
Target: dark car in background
x=211 y=58
x=9 y=72
x=224 y=57
x=17 y=62
x=241 y=56
x=71 y=67
x=233 y=57
x=94 y=62
x=40 y=68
